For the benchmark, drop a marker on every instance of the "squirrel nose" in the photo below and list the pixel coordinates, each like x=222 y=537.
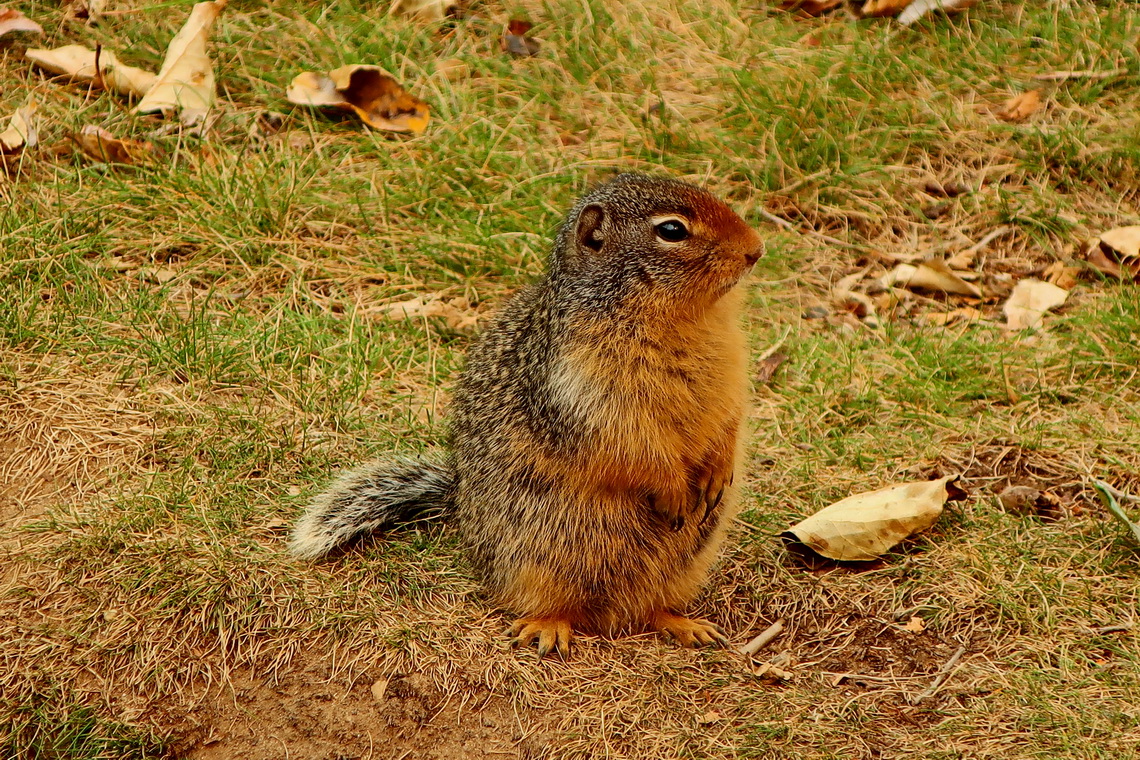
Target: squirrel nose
x=755 y=252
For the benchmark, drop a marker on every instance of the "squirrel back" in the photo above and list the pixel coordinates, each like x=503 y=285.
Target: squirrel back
x=595 y=429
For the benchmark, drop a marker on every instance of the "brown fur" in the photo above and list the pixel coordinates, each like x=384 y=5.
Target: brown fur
x=596 y=428
x=652 y=389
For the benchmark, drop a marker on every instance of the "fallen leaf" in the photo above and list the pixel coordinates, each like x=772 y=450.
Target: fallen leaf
x=1020 y=107
x=915 y=625
x=1061 y=275
x=873 y=8
x=12 y=20
x=21 y=132
x=766 y=369
x=775 y=672
x=966 y=313
x=379 y=688
x=185 y=83
x=932 y=274
x=920 y=8
x=456 y=312
x=89 y=10
x=864 y=526
x=424 y=10
x=712 y=716
x=375 y=97
x=812 y=8
x=78 y=62
x=158 y=275
x=101 y=145
x=515 y=40
x=1116 y=252
x=1026 y=306
x=1108 y=496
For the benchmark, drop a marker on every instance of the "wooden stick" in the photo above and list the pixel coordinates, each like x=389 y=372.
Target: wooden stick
x=763 y=640
x=942 y=674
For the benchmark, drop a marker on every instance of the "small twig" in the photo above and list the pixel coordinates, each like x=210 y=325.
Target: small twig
x=775 y=346
x=818 y=235
x=939 y=677
x=1120 y=628
x=1061 y=76
x=764 y=639
x=989 y=239
x=98 y=80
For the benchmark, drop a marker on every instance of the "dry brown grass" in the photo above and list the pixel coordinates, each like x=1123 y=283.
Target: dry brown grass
x=185 y=352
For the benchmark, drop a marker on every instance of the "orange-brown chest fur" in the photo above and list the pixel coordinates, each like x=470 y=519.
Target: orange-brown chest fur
x=659 y=399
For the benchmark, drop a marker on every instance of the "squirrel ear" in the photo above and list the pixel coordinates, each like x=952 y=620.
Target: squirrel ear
x=589 y=232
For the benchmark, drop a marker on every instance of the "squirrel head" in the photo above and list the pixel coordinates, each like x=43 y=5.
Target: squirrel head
x=649 y=243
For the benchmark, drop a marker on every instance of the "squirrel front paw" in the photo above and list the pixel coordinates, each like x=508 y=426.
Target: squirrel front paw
x=675 y=505
x=693 y=501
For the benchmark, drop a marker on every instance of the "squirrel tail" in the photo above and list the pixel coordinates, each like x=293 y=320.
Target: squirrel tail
x=377 y=495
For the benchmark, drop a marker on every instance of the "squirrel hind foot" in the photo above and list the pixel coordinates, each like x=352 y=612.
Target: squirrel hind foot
x=690 y=632
x=553 y=634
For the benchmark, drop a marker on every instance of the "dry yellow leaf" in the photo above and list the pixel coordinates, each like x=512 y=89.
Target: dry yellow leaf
x=12 y=20
x=78 y=62
x=101 y=145
x=1026 y=306
x=375 y=97
x=932 y=274
x=864 y=526
x=1116 y=252
x=884 y=7
x=915 y=624
x=185 y=83
x=21 y=131
x=1020 y=107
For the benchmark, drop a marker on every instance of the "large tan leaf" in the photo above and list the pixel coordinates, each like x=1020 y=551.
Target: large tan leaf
x=866 y=525
x=21 y=131
x=375 y=97
x=12 y=20
x=78 y=62
x=186 y=80
x=1026 y=306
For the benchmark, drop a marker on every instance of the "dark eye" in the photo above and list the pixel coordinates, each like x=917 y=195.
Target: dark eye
x=672 y=231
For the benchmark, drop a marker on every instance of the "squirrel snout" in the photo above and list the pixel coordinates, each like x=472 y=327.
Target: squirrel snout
x=753 y=247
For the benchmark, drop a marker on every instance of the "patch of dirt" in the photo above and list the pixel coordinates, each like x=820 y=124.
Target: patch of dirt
x=307 y=716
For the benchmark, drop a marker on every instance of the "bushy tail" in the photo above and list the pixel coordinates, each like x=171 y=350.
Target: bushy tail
x=377 y=495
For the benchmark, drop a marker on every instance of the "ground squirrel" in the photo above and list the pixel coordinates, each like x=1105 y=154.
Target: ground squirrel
x=596 y=427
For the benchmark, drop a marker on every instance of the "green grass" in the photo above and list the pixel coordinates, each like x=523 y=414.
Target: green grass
x=187 y=348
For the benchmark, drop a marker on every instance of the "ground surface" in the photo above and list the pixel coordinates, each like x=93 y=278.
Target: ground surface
x=188 y=349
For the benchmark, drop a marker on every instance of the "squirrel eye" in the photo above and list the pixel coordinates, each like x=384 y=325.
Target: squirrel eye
x=672 y=231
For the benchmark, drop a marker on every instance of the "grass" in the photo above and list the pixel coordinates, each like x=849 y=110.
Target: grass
x=187 y=349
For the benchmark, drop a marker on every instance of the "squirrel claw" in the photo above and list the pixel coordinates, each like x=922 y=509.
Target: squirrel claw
x=553 y=635
x=690 y=632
